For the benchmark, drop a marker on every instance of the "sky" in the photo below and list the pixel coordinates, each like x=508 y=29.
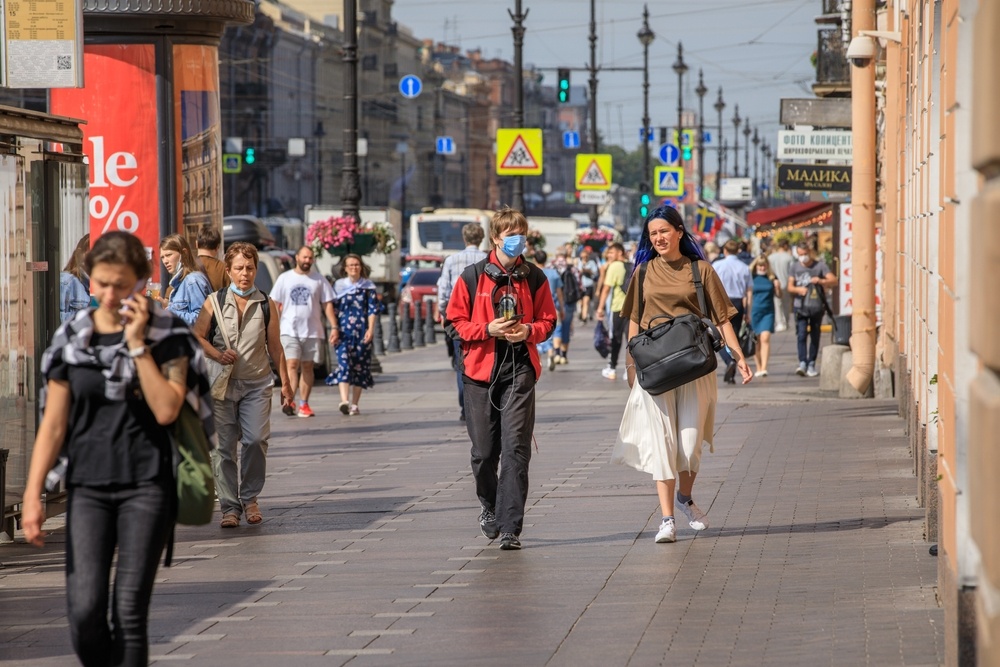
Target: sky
x=757 y=50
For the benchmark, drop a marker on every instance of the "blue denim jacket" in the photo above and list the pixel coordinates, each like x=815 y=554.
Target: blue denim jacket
x=188 y=295
x=73 y=296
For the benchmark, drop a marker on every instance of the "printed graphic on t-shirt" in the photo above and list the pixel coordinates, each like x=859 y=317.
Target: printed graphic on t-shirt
x=300 y=296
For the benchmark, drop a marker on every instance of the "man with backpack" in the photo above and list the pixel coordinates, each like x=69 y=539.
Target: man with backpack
x=572 y=293
x=808 y=280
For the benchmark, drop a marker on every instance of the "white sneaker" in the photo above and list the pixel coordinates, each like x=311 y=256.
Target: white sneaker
x=801 y=370
x=760 y=374
x=667 y=532
x=811 y=371
x=696 y=518
x=609 y=373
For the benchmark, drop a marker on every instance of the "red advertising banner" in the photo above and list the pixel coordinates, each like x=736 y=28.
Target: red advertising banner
x=120 y=139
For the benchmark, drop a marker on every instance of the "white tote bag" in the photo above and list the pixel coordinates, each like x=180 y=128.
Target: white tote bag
x=642 y=436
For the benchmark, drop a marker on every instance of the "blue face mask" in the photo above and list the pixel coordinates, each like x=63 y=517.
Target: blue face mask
x=514 y=245
x=243 y=293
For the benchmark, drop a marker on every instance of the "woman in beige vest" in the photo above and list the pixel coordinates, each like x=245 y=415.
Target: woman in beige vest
x=244 y=415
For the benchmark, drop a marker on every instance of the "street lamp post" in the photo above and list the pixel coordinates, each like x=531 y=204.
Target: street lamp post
x=518 y=31
x=680 y=67
x=719 y=105
x=756 y=143
x=350 y=189
x=766 y=173
x=646 y=37
x=700 y=92
x=736 y=140
x=746 y=148
x=592 y=38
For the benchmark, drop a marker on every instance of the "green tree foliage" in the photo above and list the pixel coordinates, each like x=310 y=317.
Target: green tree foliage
x=627 y=166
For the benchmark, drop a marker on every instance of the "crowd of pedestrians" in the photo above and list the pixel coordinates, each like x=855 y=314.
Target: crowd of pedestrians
x=126 y=357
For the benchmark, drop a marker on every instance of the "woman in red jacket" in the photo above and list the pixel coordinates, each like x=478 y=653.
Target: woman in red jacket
x=500 y=309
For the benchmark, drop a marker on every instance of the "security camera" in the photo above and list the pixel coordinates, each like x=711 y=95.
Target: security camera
x=861 y=50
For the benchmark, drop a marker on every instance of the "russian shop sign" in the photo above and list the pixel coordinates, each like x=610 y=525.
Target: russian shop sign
x=815 y=145
x=830 y=178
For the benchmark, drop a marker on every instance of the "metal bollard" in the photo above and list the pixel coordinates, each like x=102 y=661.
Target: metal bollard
x=418 y=325
x=377 y=340
x=406 y=328
x=393 y=331
x=429 y=334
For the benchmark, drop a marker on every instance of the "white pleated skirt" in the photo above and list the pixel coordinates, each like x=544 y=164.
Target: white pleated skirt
x=663 y=435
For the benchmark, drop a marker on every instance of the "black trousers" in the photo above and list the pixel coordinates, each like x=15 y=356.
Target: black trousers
x=737 y=322
x=618 y=324
x=500 y=420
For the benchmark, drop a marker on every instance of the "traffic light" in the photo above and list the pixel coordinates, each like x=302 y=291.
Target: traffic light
x=686 y=152
x=249 y=155
x=643 y=200
x=563 y=85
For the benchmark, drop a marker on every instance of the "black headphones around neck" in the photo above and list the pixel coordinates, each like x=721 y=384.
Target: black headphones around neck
x=520 y=271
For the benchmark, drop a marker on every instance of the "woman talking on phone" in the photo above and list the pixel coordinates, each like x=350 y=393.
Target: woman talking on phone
x=115 y=376
x=682 y=419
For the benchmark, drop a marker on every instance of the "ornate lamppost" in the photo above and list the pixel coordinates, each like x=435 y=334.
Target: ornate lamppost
x=680 y=67
x=719 y=105
x=756 y=144
x=700 y=92
x=746 y=148
x=736 y=140
x=646 y=37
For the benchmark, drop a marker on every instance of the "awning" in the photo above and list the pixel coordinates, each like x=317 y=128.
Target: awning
x=793 y=214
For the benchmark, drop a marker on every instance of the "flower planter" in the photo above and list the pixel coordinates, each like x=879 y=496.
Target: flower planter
x=363 y=244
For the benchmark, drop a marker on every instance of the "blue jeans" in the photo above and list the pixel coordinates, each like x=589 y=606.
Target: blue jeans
x=807 y=329
x=137 y=520
x=565 y=327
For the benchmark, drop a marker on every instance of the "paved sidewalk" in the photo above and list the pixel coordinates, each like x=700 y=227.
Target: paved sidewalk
x=370 y=553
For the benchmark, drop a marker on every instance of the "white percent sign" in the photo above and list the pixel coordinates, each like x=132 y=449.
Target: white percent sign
x=125 y=221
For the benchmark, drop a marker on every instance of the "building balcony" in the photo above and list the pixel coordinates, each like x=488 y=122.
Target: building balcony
x=833 y=72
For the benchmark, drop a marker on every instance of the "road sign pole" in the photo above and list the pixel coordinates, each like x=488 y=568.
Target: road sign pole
x=518 y=29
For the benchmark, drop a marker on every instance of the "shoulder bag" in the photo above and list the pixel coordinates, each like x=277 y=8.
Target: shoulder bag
x=218 y=374
x=677 y=350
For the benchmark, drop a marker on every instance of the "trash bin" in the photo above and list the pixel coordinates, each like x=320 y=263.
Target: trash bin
x=842 y=330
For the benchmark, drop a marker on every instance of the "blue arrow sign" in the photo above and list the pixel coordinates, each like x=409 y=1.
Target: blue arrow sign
x=571 y=139
x=706 y=137
x=445 y=146
x=410 y=86
x=669 y=154
x=648 y=133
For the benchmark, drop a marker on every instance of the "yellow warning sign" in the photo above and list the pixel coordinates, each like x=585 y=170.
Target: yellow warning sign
x=519 y=151
x=593 y=171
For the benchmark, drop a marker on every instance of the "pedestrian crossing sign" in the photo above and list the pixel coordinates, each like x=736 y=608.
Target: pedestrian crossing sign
x=668 y=181
x=519 y=151
x=593 y=171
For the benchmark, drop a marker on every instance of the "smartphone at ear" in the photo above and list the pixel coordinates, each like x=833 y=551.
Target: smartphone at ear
x=139 y=288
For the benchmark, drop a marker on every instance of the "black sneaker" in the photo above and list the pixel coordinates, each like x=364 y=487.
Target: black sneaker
x=509 y=542
x=488 y=524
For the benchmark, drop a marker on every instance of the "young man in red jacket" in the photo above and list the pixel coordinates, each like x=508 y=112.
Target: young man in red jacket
x=500 y=309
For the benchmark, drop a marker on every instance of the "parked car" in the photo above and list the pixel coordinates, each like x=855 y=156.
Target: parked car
x=422 y=283
x=415 y=262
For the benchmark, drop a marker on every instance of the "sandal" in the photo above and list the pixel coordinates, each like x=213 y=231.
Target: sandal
x=344 y=407
x=253 y=514
x=230 y=521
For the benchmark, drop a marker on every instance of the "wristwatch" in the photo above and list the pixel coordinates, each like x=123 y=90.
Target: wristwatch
x=137 y=352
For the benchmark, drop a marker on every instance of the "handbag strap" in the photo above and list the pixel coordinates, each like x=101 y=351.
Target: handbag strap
x=219 y=319
x=695 y=273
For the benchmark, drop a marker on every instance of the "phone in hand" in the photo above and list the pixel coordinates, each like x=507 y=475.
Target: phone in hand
x=140 y=287
x=514 y=318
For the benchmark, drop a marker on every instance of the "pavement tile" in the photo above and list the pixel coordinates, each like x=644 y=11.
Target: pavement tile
x=365 y=557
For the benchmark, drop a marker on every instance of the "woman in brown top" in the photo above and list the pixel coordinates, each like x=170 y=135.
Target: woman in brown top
x=685 y=415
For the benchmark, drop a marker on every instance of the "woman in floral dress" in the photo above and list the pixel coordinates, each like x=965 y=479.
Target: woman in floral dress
x=357 y=307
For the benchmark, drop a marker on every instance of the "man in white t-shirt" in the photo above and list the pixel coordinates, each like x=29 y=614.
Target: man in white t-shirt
x=303 y=297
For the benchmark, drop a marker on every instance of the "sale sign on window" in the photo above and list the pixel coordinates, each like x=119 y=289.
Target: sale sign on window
x=118 y=104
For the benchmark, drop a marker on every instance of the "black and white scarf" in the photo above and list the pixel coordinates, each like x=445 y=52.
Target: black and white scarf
x=71 y=344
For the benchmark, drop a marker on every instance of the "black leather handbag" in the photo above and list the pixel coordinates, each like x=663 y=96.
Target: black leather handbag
x=678 y=350
x=748 y=340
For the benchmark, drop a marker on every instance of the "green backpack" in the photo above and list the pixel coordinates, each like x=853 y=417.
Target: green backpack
x=195 y=481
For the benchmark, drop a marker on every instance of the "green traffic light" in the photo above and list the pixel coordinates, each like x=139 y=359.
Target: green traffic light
x=645 y=199
x=250 y=156
x=643 y=211
x=687 y=153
